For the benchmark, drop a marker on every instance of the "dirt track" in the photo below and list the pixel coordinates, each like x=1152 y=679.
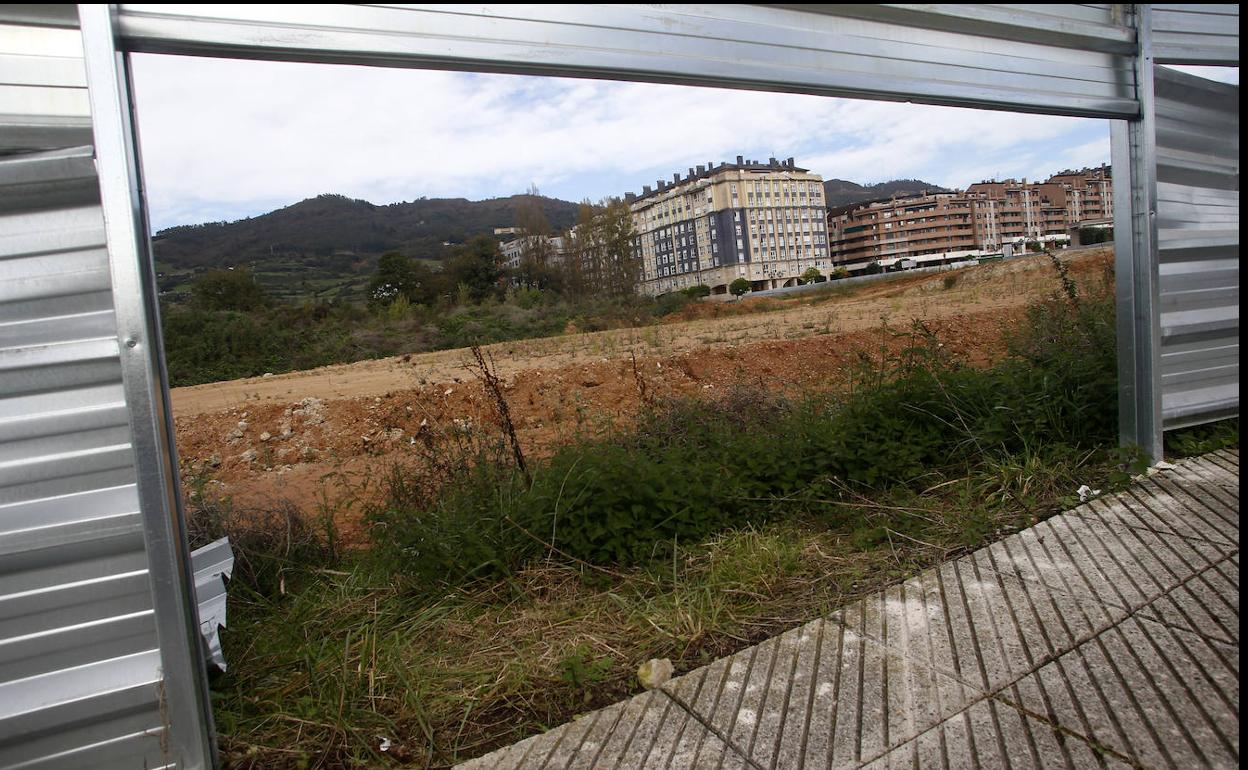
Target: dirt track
x=325 y=436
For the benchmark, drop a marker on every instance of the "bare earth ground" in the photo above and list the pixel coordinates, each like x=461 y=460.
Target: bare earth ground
x=324 y=438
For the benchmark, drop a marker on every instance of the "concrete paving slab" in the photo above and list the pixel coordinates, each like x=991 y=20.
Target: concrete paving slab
x=1208 y=604
x=1216 y=469
x=1116 y=566
x=1159 y=696
x=847 y=698
x=994 y=734
x=1203 y=502
x=647 y=731
x=976 y=624
x=1157 y=505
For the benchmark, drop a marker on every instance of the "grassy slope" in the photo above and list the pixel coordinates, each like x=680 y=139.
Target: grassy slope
x=330 y=653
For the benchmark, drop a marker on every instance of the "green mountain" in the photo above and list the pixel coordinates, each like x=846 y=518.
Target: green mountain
x=839 y=192
x=328 y=246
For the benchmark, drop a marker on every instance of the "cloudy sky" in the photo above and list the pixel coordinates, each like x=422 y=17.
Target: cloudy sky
x=226 y=139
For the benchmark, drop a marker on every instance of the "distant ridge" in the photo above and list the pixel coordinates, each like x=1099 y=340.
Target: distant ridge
x=327 y=225
x=839 y=192
x=327 y=247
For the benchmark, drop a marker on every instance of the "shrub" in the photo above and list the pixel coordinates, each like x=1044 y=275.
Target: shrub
x=697 y=292
x=693 y=468
x=268 y=543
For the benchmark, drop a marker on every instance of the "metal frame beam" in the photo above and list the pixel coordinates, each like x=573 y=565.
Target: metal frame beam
x=186 y=704
x=1072 y=61
x=1134 y=154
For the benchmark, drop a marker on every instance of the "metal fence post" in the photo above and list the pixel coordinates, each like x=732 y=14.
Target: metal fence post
x=186 y=705
x=1135 y=263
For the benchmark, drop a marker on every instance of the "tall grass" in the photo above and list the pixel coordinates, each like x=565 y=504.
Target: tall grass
x=691 y=468
x=491 y=607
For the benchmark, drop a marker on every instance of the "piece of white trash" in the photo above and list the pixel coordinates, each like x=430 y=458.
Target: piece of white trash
x=1086 y=493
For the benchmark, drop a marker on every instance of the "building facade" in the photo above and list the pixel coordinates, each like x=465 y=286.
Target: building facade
x=982 y=220
x=765 y=222
x=553 y=248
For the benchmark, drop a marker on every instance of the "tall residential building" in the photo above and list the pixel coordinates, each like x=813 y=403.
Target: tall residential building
x=553 y=247
x=982 y=219
x=764 y=222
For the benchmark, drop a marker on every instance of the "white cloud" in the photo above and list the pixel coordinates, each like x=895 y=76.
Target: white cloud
x=224 y=138
x=1220 y=74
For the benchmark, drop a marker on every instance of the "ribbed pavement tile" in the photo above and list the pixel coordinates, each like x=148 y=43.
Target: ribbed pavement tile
x=993 y=734
x=976 y=624
x=1117 y=566
x=1160 y=504
x=1217 y=468
x=1207 y=604
x=1160 y=696
x=819 y=696
x=647 y=731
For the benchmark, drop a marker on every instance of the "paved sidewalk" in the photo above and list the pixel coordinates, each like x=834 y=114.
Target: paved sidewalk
x=1107 y=636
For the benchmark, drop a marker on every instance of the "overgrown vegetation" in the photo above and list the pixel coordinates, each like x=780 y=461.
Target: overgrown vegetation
x=504 y=595
x=227 y=326
x=697 y=467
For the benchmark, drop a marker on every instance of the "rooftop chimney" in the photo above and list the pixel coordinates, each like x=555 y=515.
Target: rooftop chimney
x=645 y=189
x=691 y=172
x=701 y=170
x=792 y=163
x=675 y=178
x=740 y=160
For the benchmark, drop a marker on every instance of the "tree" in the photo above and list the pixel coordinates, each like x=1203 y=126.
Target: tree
x=621 y=266
x=536 y=252
x=739 y=287
x=398 y=276
x=232 y=289
x=392 y=280
x=602 y=259
x=811 y=275
x=474 y=266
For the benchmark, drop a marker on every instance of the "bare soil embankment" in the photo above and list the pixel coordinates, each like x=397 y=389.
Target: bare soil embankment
x=325 y=437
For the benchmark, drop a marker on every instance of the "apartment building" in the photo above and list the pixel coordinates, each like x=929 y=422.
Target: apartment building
x=981 y=220
x=553 y=247
x=765 y=222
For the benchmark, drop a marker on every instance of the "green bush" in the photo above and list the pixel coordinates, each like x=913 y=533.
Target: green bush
x=694 y=468
x=213 y=345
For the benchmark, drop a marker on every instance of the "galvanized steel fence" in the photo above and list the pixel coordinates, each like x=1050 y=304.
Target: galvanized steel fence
x=101 y=663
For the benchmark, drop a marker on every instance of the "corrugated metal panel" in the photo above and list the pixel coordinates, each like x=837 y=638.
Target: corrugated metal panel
x=1068 y=59
x=1196 y=33
x=43 y=87
x=86 y=678
x=79 y=660
x=213 y=563
x=1198 y=246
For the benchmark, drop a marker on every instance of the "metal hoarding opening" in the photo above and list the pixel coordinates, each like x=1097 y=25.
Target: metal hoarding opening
x=100 y=655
